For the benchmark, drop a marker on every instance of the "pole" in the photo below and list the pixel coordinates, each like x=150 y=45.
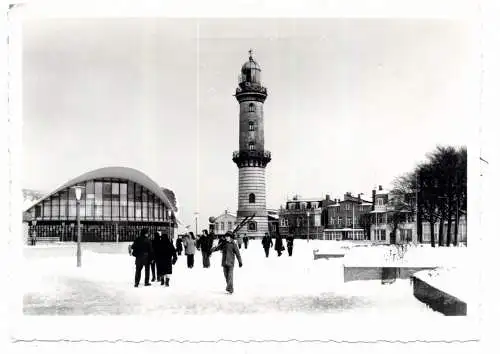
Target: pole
x=196 y=224
x=416 y=205
x=307 y=227
x=78 y=236
x=352 y=225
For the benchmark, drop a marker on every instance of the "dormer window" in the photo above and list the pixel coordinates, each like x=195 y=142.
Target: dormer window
x=251 y=126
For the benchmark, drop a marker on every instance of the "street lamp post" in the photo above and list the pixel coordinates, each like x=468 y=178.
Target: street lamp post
x=170 y=234
x=307 y=213
x=78 y=195
x=196 y=223
x=33 y=234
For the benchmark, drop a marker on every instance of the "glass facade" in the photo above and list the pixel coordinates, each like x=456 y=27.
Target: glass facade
x=120 y=200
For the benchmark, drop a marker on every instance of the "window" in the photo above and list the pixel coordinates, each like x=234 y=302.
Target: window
x=314 y=205
x=302 y=206
x=251 y=198
x=349 y=221
x=291 y=206
x=252 y=226
x=251 y=107
x=229 y=225
x=216 y=227
x=347 y=206
x=251 y=126
x=251 y=146
x=340 y=220
x=222 y=226
x=382 y=235
x=380 y=201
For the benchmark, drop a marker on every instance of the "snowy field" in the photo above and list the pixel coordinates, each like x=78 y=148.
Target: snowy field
x=310 y=296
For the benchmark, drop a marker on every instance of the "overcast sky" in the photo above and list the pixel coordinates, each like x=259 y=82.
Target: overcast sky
x=351 y=103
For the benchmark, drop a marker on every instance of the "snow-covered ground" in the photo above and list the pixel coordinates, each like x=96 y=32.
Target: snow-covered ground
x=310 y=296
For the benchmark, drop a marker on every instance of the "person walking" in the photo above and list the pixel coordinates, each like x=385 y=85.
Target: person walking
x=289 y=244
x=166 y=257
x=240 y=241
x=229 y=252
x=245 y=240
x=190 y=249
x=206 y=244
x=278 y=245
x=155 y=243
x=178 y=245
x=142 y=250
x=267 y=243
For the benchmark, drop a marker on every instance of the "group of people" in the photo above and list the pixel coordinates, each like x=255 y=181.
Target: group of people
x=157 y=254
x=267 y=243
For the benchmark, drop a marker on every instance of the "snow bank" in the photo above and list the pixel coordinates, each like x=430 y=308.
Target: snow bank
x=460 y=282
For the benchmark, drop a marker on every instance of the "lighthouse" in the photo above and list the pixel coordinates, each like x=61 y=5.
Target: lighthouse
x=251 y=158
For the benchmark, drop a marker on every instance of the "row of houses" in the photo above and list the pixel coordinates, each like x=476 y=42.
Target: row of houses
x=355 y=218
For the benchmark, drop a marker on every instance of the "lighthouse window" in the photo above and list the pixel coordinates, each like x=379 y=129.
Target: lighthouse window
x=252 y=226
x=251 y=146
x=251 y=198
x=251 y=126
x=251 y=107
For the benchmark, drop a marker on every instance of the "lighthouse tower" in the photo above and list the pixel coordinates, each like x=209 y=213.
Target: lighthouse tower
x=251 y=158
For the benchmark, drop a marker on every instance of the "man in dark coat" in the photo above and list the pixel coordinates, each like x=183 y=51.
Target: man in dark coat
x=245 y=240
x=229 y=251
x=278 y=245
x=142 y=250
x=178 y=245
x=267 y=243
x=289 y=244
x=206 y=244
x=156 y=245
x=166 y=256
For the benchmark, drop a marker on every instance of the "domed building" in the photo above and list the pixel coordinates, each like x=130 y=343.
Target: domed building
x=115 y=204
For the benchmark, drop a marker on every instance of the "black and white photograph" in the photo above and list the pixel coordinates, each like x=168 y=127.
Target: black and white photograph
x=285 y=178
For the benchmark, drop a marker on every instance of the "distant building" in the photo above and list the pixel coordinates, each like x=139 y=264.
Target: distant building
x=348 y=219
x=303 y=217
x=381 y=221
x=273 y=222
x=224 y=223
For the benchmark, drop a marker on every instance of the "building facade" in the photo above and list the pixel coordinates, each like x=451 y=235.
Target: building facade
x=382 y=225
x=224 y=223
x=347 y=219
x=251 y=158
x=303 y=217
x=115 y=204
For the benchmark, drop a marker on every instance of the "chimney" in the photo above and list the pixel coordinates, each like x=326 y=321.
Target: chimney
x=359 y=197
x=379 y=187
x=327 y=197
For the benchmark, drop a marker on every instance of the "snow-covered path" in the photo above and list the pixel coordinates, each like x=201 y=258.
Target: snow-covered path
x=275 y=298
x=104 y=285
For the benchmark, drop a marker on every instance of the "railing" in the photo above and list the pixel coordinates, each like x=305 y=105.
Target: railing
x=251 y=154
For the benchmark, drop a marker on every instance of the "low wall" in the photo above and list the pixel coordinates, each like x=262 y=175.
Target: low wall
x=438 y=300
x=352 y=273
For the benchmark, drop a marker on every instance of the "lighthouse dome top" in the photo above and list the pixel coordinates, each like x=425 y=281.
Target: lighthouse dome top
x=250 y=71
x=251 y=64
